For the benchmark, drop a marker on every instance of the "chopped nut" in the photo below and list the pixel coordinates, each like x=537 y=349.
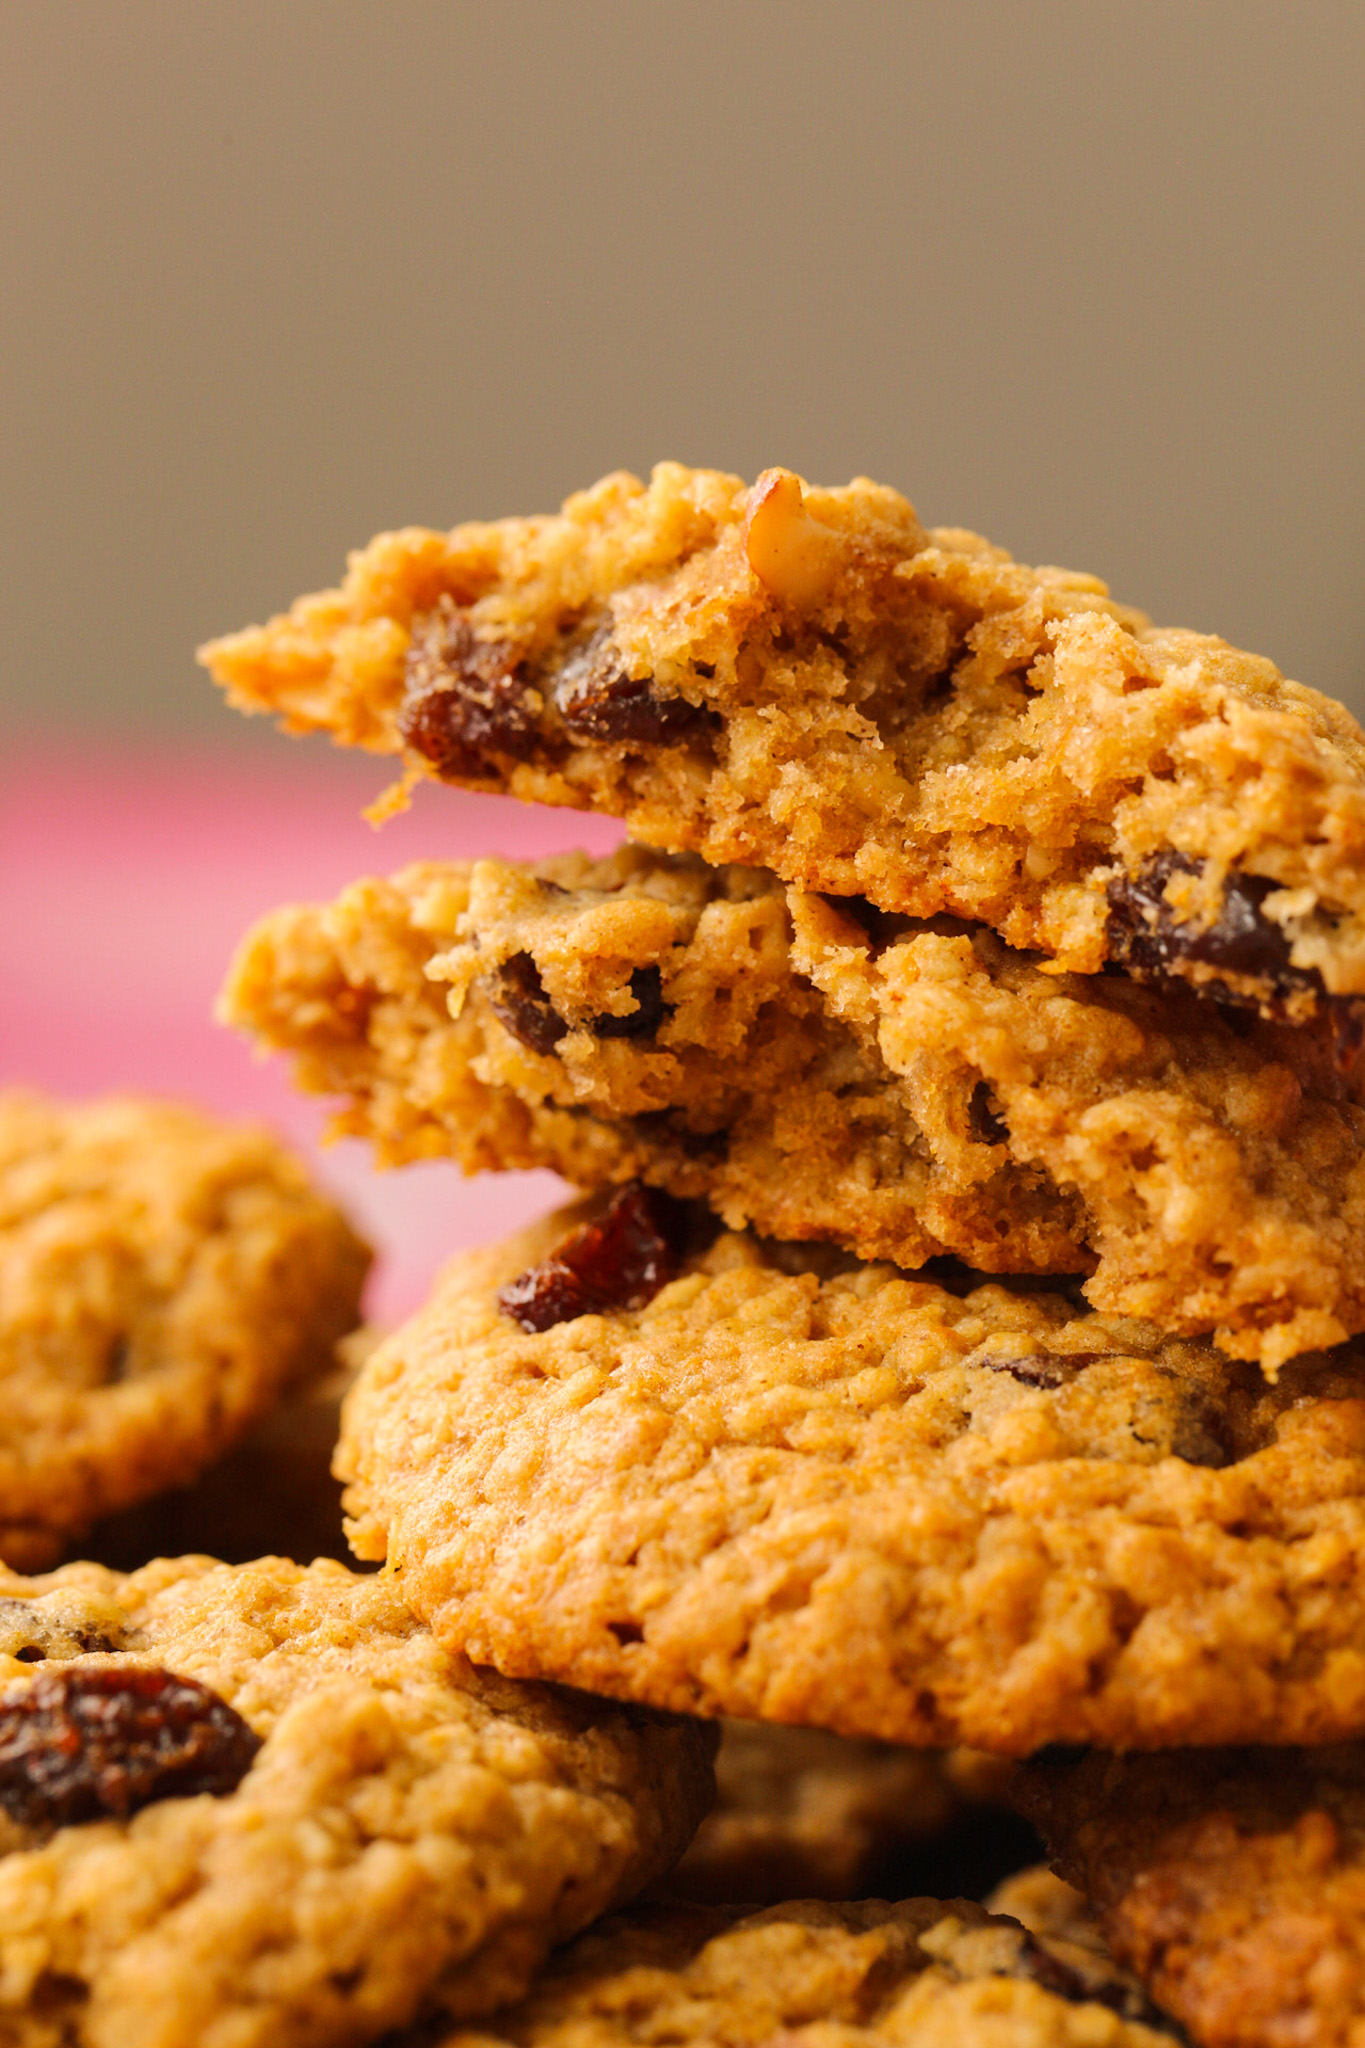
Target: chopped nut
x=793 y=556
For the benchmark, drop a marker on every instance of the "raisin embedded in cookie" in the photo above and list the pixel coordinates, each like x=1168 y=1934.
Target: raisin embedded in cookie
x=257 y=1804
x=925 y=1973
x=1232 y=1881
x=788 y=1487
x=815 y=1068
x=164 y=1277
x=809 y=680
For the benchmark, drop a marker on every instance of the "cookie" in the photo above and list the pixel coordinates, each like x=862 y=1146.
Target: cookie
x=258 y=1806
x=808 y=680
x=1232 y=1881
x=925 y=1973
x=745 y=1481
x=801 y=1813
x=164 y=1277
x=273 y=1494
x=815 y=1068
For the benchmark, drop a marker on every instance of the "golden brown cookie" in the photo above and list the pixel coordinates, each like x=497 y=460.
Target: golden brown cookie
x=759 y=1481
x=257 y=1806
x=924 y=1974
x=817 y=1069
x=807 y=679
x=1232 y=1881
x=164 y=1277
x=273 y=1494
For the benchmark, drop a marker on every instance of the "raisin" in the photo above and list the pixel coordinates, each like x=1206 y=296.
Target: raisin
x=1045 y=1368
x=518 y=1000
x=647 y=987
x=79 y=1744
x=598 y=701
x=618 y=1262
x=1147 y=938
x=468 y=705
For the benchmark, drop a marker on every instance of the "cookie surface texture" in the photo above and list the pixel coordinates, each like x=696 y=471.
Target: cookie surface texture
x=397 y=1832
x=809 y=680
x=927 y=1973
x=1231 y=1881
x=858 y=1500
x=813 y=1068
x=164 y=1278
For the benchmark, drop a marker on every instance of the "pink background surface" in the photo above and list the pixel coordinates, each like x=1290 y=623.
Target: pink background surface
x=127 y=878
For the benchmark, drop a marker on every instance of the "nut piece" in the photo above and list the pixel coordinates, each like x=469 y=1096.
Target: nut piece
x=793 y=556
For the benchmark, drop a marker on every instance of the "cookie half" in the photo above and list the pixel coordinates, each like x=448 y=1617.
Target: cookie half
x=164 y=1277
x=743 y=1481
x=818 y=1069
x=1232 y=1881
x=809 y=680
x=924 y=1973
x=257 y=1805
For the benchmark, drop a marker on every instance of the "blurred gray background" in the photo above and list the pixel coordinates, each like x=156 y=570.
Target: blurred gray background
x=279 y=273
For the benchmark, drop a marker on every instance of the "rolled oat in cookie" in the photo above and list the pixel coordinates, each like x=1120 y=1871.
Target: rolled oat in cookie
x=790 y=1487
x=257 y=1807
x=1232 y=1881
x=924 y=1973
x=818 y=1069
x=810 y=680
x=165 y=1279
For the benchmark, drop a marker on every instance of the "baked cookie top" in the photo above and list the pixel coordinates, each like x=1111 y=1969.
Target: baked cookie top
x=818 y=1069
x=807 y=679
x=747 y=1481
x=1232 y=1881
x=257 y=1806
x=163 y=1277
x=927 y=1973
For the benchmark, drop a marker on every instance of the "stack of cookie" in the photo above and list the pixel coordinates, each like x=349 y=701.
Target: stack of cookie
x=958 y=1342
x=968 y=927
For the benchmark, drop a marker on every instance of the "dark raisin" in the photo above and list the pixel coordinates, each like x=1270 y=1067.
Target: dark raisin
x=985 y=1120
x=598 y=701
x=468 y=706
x=1147 y=938
x=517 y=998
x=619 y=1262
x=647 y=987
x=79 y=1744
x=1045 y=1368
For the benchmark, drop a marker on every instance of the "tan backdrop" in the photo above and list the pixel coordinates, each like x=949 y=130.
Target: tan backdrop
x=281 y=272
